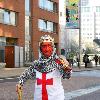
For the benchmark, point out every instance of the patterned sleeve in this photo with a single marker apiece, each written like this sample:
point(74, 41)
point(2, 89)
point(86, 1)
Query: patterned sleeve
point(64, 69)
point(27, 74)
point(66, 73)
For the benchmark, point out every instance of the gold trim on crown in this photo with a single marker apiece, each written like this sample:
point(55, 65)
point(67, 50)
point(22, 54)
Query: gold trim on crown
point(46, 38)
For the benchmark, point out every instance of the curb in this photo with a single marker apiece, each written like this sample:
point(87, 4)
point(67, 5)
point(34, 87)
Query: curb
point(86, 69)
point(10, 72)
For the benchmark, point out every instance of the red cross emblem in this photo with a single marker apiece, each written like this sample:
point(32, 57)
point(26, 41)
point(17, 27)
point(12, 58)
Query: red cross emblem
point(44, 82)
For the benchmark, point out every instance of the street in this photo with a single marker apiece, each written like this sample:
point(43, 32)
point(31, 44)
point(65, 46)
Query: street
point(36, 39)
point(83, 85)
point(91, 96)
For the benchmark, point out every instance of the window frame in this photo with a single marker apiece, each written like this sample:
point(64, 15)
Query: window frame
point(7, 19)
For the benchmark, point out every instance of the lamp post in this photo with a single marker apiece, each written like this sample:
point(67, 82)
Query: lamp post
point(79, 33)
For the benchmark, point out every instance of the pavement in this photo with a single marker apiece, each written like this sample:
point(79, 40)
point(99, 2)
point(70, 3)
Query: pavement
point(11, 72)
point(73, 85)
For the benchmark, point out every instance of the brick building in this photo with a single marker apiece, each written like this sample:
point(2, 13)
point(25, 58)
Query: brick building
point(22, 23)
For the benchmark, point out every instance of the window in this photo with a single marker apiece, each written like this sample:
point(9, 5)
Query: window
point(2, 55)
point(41, 3)
point(7, 17)
point(1, 15)
point(84, 2)
point(55, 27)
point(98, 9)
point(11, 41)
point(50, 26)
point(85, 9)
point(40, 24)
point(2, 41)
point(2, 44)
point(12, 18)
point(48, 5)
point(27, 7)
point(55, 7)
point(47, 26)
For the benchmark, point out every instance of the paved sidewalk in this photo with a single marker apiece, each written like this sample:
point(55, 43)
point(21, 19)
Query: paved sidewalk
point(82, 68)
point(9, 72)
point(74, 83)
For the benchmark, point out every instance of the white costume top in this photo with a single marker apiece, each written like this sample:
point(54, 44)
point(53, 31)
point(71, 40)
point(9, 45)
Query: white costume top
point(54, 86)
point(47, 72)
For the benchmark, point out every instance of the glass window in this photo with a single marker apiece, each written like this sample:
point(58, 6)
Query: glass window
point(2, 41)
point(6, 17)
point(1, 15)
point(40, 24)
point(47, 26)
point(55, 8)
point(12, 18)
point(97, 9)
point(11, 41)
point(84, 2)
point(54, 27)
point(48, 5)
point(44, 25)
point(87, 9)
point(2, 55)
point(45, 4)
point(41, 3)
point(27, 5)
point(50, 26)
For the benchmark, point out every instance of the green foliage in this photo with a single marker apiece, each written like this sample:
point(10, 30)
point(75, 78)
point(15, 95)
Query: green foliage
point(90, 51)
point(71, 55)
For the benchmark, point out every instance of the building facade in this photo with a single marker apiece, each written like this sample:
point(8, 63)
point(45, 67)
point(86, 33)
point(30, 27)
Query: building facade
point(88, 17)
point(45, 19)
point(12, 30)
point(72, 27)
point(62, 23)
point(23, 22)
point(90, 21)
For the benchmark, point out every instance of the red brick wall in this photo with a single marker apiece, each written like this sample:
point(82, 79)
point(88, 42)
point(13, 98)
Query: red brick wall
point(14, 31)
point(19, 30)
point(36, 34)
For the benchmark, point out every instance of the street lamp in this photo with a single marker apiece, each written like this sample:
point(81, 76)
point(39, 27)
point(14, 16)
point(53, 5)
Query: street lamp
point(79, 33)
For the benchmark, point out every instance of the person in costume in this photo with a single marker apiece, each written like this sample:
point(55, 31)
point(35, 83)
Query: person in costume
point(47, 71)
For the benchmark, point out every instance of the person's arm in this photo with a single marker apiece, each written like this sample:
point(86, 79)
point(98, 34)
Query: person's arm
point(64, 67)
point(65, 70)
point(27, 74)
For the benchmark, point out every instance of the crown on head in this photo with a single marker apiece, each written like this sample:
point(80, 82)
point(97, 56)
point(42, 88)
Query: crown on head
point(46, 38)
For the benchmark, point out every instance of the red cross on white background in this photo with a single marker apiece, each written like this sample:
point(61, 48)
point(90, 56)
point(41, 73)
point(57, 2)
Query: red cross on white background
point(44, 82)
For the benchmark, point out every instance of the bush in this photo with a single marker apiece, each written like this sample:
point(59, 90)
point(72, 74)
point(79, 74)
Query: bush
point(2, 65)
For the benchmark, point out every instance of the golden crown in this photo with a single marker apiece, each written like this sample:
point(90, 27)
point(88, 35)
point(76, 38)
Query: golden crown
point(47, 38)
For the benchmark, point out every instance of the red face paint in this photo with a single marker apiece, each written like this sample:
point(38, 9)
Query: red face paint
point(46, 49)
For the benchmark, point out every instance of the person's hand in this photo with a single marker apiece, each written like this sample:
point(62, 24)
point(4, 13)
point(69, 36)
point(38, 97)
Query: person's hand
point(19, 91)
point(66, 65)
